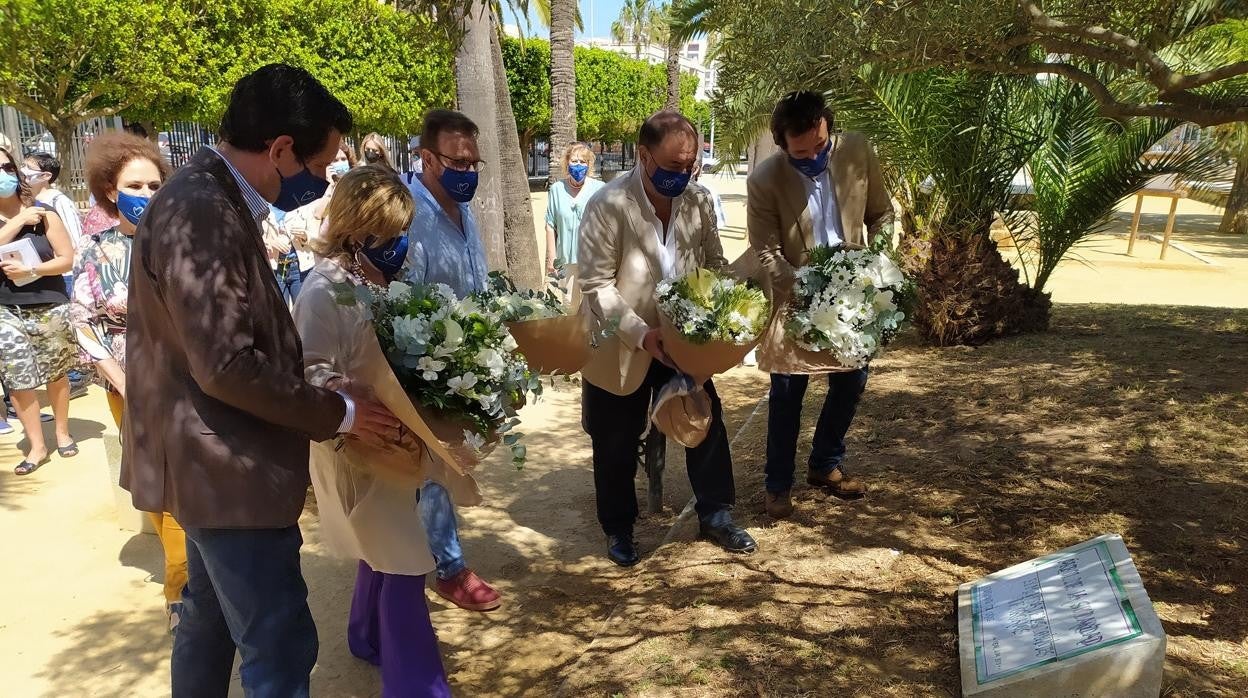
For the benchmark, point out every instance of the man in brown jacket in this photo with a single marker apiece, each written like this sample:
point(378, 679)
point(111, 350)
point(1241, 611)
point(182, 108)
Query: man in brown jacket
point(218, 416)
point(822, 188)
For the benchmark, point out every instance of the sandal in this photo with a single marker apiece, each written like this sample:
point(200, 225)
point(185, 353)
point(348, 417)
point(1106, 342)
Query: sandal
point(68, 451)
point(26, 467)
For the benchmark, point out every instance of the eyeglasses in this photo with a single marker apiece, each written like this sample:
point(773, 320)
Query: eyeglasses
point(461, 165)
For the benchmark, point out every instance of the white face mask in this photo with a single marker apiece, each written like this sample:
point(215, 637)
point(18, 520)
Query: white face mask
point(35, 176)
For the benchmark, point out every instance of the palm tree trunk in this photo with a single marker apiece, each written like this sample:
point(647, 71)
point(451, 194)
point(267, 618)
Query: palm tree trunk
point(1235, 217)
point(477, 97)
point(673, 76)
point(519, 237)
point(562, 80)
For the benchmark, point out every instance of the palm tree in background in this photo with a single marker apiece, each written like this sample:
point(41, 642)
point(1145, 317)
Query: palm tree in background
point(637, 24)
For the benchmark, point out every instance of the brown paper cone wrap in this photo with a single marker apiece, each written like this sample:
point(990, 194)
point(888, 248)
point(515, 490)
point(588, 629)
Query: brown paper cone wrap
point(445, 442)
point(685, 419)
point(700, 360)
point(553, 345)
point(779, 353)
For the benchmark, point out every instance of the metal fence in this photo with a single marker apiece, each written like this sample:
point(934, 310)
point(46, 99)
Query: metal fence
point(26, 136)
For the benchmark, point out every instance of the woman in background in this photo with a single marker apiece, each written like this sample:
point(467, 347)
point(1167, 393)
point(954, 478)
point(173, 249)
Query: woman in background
point(123, 172)
point(564, 207)
point(373, 151)
point(36, 343)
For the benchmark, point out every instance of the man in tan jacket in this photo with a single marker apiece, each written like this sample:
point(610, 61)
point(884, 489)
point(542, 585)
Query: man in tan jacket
point(821, 188)
point(647, 225)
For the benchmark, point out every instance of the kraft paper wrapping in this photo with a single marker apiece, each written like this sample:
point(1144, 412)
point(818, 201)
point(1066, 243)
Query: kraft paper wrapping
point(450, 462)
point(700, 360)
point(778, 353)
point(557, 345)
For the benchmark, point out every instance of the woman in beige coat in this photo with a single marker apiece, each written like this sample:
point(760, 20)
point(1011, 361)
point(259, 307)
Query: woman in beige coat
point(368, 506)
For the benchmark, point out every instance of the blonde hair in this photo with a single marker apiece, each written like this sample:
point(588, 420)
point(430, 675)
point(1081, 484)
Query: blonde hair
point(572, 151)
point(369, 201)
point(378, 142)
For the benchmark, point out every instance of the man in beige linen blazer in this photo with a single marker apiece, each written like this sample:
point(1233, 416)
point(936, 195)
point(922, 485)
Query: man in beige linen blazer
point(821, 188)
point(645, 226)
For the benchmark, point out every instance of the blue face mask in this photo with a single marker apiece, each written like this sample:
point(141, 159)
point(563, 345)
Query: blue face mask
point(460, 186)
point(668, 183)
point(131, 207)
point(8, 184)
point(299, 190)
point(339, 167)
point(578, 172)
point(813, 167)
point(389, 257)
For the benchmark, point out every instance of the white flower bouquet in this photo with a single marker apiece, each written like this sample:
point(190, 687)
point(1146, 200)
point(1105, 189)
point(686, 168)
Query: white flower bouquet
point(709, 322)
point(551, 340)
point(847, 303)
point(456, 361)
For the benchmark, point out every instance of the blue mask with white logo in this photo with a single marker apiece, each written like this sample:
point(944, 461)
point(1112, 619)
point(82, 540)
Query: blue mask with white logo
point(578, 172)
point(131, 207)
point(813, 167)
point(339, 168)
point(668, 183)
point(388, 257)
point(299, 190)
point(460, 186)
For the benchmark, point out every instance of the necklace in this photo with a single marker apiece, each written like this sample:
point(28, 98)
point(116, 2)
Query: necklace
point(361, 278)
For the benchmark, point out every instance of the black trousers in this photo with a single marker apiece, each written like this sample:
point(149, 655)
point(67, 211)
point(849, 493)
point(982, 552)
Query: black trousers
point(615, 424)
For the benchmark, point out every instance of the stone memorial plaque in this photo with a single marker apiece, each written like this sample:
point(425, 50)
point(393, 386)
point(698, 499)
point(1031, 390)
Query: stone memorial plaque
point(1074, 624)
point(1066, 606)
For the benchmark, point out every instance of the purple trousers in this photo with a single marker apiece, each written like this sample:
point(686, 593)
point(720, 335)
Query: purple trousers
point(390, 626)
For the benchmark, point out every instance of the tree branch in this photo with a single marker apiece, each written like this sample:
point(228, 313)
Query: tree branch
point(1202, 114)
point(1187, 82)
point(1159, 73)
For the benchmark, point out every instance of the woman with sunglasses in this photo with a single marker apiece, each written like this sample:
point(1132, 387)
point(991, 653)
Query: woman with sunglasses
point(36, 343)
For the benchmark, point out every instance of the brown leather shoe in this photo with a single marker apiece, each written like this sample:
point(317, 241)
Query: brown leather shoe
point(838, 484)
point(778, 506)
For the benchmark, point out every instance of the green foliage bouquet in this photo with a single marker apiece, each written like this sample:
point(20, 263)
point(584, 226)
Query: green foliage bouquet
point(455, 358)
point(709, 322)
point(552, 340)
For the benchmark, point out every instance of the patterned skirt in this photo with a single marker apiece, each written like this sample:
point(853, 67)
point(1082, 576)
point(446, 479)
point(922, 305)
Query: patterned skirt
point(36, 345)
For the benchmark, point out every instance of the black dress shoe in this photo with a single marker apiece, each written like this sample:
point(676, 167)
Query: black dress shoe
point(729, 536)
point(622, 550)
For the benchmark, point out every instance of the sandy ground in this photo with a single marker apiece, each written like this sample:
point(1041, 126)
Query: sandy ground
point(82, 610)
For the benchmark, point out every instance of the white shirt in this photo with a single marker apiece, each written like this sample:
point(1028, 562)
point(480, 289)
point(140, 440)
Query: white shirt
point(66, 211)
point(825, 211)
point(667, 240)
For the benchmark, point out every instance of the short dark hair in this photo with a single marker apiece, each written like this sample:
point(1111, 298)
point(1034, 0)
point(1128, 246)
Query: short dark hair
point(798, 112)
point(441, 121)
point(46, 162)
point(282, 100)
point(661, 124)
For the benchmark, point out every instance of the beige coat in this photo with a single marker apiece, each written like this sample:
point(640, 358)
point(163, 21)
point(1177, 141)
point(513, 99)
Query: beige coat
point(782, 233)
point(619, 263)
point(364, 512)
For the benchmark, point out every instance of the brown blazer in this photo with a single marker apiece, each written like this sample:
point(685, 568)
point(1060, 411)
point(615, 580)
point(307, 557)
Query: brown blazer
point(218, 416)
point(782, 233)
point(619, 267)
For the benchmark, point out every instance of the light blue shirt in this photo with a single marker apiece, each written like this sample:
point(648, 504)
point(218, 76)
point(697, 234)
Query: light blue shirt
point(825, 211)
point(563, 213)
point(438, 252)
point(255, 203)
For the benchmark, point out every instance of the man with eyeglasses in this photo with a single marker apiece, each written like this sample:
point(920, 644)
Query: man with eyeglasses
point(445, 248)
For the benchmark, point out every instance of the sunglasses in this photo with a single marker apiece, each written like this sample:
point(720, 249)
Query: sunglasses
point(8, 167)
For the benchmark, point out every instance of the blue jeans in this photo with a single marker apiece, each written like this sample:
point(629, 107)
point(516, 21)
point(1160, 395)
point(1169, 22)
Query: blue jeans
point(289, 278)
point(784, 421)
point(437, 513)
point(245, 591)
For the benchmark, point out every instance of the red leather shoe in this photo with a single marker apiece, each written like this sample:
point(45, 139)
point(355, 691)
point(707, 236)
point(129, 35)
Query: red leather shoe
point(468, 591)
